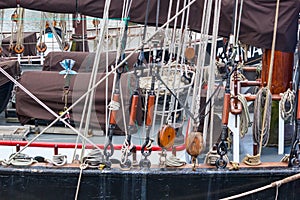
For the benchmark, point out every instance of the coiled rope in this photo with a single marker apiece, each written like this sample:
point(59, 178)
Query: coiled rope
point(94, 159)
point(58, 160)
point(260, 104)
point(20, 159)
point(287, 98)
point(245, 116)
point(173, 161)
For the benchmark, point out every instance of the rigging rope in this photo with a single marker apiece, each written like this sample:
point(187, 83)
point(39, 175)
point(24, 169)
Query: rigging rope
point(1, 27)
point(273, 184)
point(92, 83)
point(261, 136)
point(269, 76)
point(19, 48)
point(200, 61)
point(211, 80)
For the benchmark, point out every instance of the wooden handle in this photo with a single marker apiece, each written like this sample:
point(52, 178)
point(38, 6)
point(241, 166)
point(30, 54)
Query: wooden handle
point(226, 109)
point(150, 109)
point(113, 114)
point(134, 102)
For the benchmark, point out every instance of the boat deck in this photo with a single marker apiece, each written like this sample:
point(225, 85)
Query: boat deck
point(58, 135)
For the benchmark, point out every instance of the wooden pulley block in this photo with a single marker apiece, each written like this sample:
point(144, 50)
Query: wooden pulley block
point(166, 137)
point(53, 24)
point(235, 106)
point(15, 17)
point(194, 143)
point(96, 22)
point(41, 47)
point(189, 53)
point(19, 48)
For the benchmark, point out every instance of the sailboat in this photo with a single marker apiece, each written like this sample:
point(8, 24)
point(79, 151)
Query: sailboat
point(143, 123)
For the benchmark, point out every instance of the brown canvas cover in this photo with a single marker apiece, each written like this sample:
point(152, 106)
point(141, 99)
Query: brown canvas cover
point(84, 61)
point(6, 86)
point(29, 42)
point(256, 26)
point(12, 67)
point(53, 59)
point(48, 87)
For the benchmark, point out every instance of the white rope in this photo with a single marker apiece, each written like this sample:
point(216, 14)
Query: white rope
point(276, 184)
point(239, 23)
point(162, 61)
point(171, 51)
point(113, 104)
point(265, 113)
point(20, 24)
point(126, 13)
point(211, 80)
point(200, 62)
point(92, 83)
point(82, 167)
point(287, 97)
point(95, 70)
point(182, 31)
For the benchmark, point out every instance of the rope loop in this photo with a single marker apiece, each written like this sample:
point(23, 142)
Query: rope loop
point(114, 105)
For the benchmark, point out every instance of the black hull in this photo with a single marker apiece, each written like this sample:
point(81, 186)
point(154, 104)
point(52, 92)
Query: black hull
point(61, 183)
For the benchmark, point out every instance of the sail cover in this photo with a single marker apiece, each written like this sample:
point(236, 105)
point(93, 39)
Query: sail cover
point(256, 25)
